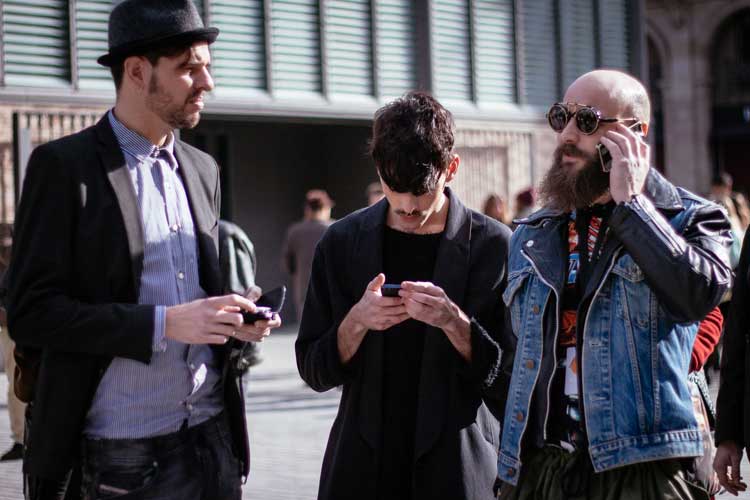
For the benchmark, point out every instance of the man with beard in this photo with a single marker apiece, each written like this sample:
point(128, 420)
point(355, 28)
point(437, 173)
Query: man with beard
point(115, 281)
point(424, 370)
point(606, 286)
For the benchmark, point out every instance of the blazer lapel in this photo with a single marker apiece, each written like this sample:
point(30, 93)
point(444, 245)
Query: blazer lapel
point(451, 273)
point(367, 262)
point(113, 161)
point(200, 206)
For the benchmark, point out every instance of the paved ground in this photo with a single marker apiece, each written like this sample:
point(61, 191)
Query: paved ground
point(289, 426)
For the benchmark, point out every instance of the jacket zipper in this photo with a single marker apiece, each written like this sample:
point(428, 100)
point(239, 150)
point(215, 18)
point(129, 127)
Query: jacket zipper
point(554, 350)
point(585, 325)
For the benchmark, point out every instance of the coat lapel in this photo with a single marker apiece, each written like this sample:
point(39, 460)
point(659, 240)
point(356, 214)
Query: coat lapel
point(451, 274)
point(367, 263)
point(113, 161)
point(201, 207)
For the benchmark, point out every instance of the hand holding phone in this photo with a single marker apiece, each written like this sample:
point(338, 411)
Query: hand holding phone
point(266, 306)
point(605, 157)
point(390, 290)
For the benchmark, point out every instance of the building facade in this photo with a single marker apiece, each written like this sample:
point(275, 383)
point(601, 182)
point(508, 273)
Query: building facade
point(297, 82)
point(699, 73)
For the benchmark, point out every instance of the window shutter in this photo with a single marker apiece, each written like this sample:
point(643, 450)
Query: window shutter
point(494, 50)
point(36, 42)
point(238, 56)
point(348, 45)
point(614, 34)
point(92, 18)
point(396, 46)
point(451, 58)
point(295, 49)
point(577, 29)
point(539, 60)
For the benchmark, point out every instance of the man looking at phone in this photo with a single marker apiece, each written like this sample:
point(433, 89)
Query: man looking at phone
point(607, 284)
point(115, 281)
point(424, 371)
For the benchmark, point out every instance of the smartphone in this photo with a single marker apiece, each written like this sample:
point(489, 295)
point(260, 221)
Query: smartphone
point(605, 157)
point(267, 305)
point(390, 290)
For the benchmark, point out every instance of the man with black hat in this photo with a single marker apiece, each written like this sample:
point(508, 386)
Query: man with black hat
point(116, 282)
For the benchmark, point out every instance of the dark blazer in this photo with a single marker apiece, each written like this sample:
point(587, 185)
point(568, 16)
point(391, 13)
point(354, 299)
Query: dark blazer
point(73, 285)
point(733, 404)
point(457, 429)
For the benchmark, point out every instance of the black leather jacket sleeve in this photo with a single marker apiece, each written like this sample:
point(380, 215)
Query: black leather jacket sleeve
point(731, 403)
point(688, 271)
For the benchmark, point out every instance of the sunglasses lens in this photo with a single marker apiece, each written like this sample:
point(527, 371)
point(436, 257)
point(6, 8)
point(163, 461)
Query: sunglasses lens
point(558, 117)
point(587, 120)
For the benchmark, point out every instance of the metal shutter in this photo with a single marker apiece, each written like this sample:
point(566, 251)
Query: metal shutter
point(396, 46)
point(451, 52)
point(348, 45)
point(92, 17)
point(614, 33)
point(494, 50)
point(36, 42)
point(577, 29)
point(295, 47)
point(239, 54)
point(539, 52)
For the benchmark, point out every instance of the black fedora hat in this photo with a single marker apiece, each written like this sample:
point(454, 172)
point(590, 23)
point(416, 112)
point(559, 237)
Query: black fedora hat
point(138, 25)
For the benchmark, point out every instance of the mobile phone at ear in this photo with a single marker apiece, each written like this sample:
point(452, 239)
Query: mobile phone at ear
point(605, 157)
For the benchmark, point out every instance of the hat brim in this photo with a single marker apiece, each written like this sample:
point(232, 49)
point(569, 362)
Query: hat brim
point(119, 53)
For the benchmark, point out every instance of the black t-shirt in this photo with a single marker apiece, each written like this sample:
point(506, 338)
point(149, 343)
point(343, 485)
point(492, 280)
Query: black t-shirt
point(406, 257)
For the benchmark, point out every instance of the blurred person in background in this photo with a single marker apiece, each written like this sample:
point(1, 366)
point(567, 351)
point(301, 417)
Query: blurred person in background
point(737, 208)
point(525, 203)
point(300, 242)
point(495, 207)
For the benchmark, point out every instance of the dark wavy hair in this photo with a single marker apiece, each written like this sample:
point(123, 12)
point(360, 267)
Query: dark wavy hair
point(412, 143)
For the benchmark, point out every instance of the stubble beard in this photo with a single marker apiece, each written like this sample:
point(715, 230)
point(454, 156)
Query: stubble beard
point(162, 104)
point(567, 190)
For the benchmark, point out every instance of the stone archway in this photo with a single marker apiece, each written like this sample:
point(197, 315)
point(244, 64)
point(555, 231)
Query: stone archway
point(730, 97)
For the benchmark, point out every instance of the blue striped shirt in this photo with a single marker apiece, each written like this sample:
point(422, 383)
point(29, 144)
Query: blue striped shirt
point(182, 382)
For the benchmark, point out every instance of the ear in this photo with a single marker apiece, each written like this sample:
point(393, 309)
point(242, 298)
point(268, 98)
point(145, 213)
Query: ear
point(137, 70)
point(644, 129)
point(452, 168)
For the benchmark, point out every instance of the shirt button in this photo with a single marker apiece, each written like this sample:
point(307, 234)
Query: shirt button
point(530, 243)
point(174, 228)
point(519, 416)
point(535, 309)
point(189, 407)
point(192, 366)
point(529, 364)
point(181, 275)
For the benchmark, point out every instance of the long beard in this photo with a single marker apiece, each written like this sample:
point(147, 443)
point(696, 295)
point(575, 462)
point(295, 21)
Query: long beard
point(162, 104)
point(566, 190)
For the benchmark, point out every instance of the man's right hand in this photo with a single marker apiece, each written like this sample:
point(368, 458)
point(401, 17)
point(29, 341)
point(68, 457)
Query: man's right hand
point(206, 321)
point(727, 466)
point(372, 312)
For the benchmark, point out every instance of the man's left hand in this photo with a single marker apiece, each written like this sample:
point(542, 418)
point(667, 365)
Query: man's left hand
point(429, 304)
point(630, 162)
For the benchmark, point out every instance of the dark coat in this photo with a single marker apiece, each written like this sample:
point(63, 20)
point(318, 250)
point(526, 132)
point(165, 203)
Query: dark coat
point(457, 429)
point(733, 405)
point(73, 286)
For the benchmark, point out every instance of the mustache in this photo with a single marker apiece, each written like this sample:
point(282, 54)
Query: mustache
point(412, 213)
point(570, 150)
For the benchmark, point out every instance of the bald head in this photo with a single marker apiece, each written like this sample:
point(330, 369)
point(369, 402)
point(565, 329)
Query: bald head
point(614, 93)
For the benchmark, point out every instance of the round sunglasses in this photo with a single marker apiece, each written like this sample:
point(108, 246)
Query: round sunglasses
point(587, 118)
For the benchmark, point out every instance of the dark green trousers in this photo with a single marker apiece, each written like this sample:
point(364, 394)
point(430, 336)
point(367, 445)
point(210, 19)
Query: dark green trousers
point(555, 474)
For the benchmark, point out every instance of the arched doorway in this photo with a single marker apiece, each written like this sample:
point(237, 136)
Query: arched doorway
point(730, 133)
point(655, 75)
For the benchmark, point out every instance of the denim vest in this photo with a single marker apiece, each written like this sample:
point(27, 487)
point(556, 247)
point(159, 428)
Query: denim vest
point(633, 358)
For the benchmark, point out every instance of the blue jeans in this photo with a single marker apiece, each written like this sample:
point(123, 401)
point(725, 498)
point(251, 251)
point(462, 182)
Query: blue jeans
point(195, 463)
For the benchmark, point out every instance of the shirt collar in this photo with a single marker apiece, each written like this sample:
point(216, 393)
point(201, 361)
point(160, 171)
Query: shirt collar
point(136, 145)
